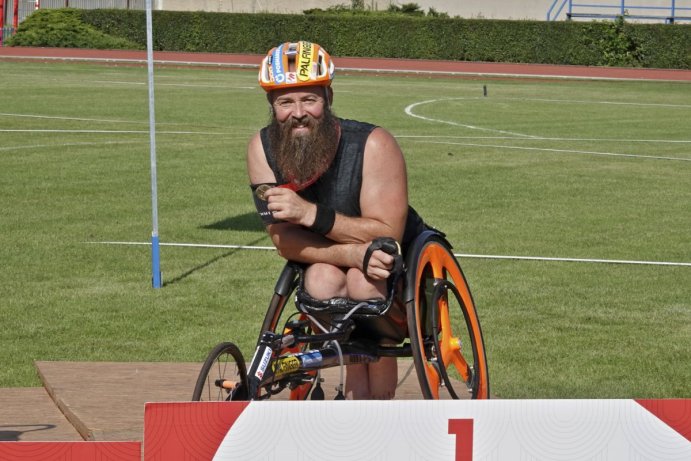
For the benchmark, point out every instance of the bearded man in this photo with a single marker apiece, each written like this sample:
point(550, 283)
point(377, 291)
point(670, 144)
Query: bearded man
point(325, 188)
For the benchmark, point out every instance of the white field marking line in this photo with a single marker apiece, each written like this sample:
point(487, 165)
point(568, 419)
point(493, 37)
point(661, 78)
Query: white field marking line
point(72, 118)
point(251, 130)
point(361, 69)
point(191, 245)
point(42, 146)
point(409, 111)
point(540, 138)
point(81, 119)
point(102, 143)
point(190, 85)
point(115, 132)
point(135, 60)
point(458, 255)
point(560, 151)
point(612, 103)
point(503, 74)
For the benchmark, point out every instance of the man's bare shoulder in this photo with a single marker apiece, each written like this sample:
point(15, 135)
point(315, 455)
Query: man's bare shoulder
point(257, 165)
point(382, 143)
point(255, 142)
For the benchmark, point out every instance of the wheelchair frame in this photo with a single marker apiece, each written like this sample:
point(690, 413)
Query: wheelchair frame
point(291, 358)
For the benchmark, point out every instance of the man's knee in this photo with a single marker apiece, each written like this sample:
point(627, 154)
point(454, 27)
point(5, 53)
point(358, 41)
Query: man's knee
point(325, 281)
point(361, 287)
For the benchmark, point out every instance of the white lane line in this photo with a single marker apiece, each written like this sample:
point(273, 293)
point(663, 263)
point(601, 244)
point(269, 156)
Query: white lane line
point(560, 151)
point(610, 103)
point(458, 255)
point(70, 144)
point(79, 119)
point(184, 85)
point(541, 138)
point(191, 245)
point(115, 132)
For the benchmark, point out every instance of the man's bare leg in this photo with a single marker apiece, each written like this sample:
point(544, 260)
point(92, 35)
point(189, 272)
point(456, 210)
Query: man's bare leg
point(373, 381)
point(383, 377)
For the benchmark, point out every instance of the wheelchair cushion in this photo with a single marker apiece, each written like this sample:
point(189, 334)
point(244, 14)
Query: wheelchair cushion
point(374, 319)
point(338, 305)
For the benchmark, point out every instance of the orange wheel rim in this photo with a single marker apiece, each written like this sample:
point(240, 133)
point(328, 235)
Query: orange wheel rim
point(443, 265)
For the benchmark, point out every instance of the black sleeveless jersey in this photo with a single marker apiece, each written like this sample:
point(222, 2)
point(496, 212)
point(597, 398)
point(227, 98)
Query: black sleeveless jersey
point(339, 187)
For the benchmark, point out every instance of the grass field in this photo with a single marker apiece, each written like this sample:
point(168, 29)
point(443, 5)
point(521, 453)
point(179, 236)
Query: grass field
point(537, 168)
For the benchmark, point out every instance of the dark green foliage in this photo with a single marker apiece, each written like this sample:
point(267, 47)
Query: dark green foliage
point(616, 43)
point(65, 28)
point(360, 32)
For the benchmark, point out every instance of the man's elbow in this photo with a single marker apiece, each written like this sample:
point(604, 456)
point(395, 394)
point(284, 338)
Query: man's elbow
point(279, 244)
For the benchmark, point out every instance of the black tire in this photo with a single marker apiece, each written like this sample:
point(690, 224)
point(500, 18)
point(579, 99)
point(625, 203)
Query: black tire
point(223, 376)
point(445, 334)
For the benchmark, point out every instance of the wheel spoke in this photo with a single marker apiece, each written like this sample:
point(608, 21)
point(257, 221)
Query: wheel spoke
point(222, 374)
point(433, 379)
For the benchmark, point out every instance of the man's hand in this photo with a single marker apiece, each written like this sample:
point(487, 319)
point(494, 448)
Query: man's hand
point(287, 205)
point(389, 260)
point(380, 265)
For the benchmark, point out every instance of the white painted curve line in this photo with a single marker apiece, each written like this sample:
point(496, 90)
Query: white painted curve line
point(458, 255)
point(560, 151)
point(409, 111)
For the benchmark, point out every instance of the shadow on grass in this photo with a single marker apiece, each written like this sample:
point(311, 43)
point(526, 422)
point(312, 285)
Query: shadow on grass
point(242, 222)
point(209, 263)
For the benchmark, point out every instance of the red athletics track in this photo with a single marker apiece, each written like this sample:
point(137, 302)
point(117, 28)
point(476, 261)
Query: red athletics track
point(415, 66)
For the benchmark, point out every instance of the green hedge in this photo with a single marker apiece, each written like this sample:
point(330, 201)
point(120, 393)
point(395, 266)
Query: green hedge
point(65, 29)
point(608, 43)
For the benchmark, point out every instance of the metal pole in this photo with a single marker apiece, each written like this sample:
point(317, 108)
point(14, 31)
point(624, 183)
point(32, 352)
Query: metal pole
point(155, 249)
point(2, 19)
point(15, 19)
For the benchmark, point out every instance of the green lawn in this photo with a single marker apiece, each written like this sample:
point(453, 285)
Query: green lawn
point(537, 168)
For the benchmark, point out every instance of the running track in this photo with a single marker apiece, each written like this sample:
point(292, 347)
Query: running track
point(406, 66)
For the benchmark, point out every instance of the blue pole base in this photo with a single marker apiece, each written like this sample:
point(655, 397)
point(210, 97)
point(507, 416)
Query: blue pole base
point(155, 262)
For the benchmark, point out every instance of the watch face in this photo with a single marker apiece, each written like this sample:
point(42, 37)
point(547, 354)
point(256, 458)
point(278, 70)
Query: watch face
point(261, 190)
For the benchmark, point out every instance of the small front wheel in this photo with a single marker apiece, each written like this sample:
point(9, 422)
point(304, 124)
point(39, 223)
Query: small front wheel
point(223, 376)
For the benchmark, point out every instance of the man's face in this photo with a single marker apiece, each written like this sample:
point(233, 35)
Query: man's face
point(300, 107)
point(303, 132)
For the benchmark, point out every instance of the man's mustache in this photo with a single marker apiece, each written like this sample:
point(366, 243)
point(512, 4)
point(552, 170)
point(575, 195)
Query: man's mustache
point(306, 121)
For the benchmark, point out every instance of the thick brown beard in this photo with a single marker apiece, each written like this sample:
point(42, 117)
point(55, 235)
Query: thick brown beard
point(302, 158)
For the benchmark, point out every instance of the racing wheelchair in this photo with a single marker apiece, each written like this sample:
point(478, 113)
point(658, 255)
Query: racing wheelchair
point(429, 313)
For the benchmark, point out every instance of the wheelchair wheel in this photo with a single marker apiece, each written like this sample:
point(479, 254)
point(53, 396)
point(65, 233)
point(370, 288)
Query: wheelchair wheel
point(445, 334)
point(277, 315)
point(223, 376)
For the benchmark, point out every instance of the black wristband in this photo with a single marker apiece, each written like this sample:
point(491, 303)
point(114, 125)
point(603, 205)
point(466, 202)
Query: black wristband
point(324, 220)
